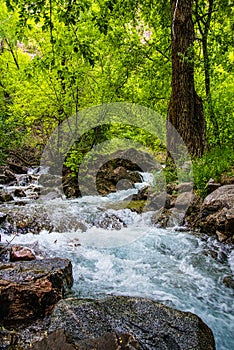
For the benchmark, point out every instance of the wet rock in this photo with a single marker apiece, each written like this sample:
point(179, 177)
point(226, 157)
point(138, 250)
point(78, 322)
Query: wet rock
point(70, 184)
point(4, 253)
point(50, 195)
point(221, 198)
point(58, 340)
point(229, 281)
point(164, 218)
point(216, 215)
point(221, 237)
point(26, 219)
point(109, 221)
point(157, 201)
point(5, 197)
point(109, 177)
point(129, 323)
point(142, 194)
point(17, 168)
point(24, 180)
point(19, 253)
point(3, 217)
point(3, 180)
point(51, 181)
point(31, 289)
point(19, 193)
point(9, 176)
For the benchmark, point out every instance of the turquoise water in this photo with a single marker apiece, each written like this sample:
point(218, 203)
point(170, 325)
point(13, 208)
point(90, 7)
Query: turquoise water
point(178, 269)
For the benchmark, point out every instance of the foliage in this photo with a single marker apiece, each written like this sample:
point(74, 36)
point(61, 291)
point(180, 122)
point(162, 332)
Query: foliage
point(212, 165)
point(58, 57)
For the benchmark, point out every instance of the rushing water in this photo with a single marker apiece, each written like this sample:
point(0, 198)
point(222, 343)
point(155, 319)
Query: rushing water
point(178, 269)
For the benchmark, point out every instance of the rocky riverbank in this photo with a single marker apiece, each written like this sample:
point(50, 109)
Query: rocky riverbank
point(176, 205)
point(32, 284)
point(33, 318)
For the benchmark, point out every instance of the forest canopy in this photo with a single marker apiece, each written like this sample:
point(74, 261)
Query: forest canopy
point(59, 57)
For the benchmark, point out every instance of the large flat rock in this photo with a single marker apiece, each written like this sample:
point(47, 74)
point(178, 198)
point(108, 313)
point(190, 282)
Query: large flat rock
point(117, 323)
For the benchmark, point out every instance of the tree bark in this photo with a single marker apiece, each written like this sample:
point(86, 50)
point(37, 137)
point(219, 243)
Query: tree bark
point(185, 112)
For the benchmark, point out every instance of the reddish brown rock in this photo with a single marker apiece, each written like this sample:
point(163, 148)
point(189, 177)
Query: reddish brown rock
point(19, 253)
point(31, 289)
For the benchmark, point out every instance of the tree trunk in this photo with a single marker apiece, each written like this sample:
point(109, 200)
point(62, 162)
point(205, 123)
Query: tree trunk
point(185, 112)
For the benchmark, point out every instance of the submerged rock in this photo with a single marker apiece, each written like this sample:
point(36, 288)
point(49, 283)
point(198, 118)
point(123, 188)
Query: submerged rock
point(129, 323)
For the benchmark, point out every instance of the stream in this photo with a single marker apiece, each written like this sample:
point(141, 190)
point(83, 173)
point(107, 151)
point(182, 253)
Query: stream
point(131, 257)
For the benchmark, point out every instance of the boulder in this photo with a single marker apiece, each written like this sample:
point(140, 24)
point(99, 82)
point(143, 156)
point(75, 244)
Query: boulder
point(30, 289)
point(183, 200)
point(128, 323)
point(141, 195)
point(217, 213)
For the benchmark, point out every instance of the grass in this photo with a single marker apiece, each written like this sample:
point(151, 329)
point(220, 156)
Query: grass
point(213, 164)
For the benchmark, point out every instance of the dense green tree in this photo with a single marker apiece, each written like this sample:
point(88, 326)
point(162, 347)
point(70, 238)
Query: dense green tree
point(58, 57)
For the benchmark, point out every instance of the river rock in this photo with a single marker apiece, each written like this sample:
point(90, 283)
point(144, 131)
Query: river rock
point(109, 221)
point(217, 213)
point(3, 217)
point(19, 253)
point(127, 323)
point(105, 175)
point(18, 192)
point(31, 289)
point(26, 219)
point(164, 218)
point(113, 176)
point(229, 281)
point(8, 176)
point(212, 185)
point(17, 168)
point(5, 197)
